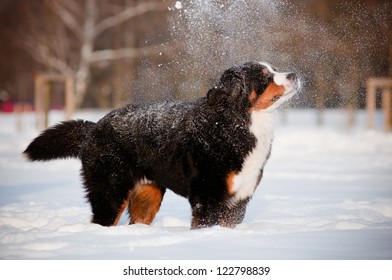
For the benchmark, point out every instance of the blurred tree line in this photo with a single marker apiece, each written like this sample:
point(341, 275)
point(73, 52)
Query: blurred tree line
point(353, 43)
point(123, 51)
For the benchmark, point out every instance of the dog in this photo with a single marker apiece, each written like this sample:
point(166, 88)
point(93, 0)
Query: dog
point(211, 151)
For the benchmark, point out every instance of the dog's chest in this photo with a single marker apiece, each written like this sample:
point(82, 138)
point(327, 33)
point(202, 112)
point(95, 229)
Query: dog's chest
point(245, 182)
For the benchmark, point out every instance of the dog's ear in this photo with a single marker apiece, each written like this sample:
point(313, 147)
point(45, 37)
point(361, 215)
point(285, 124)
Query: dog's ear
point(231, 84)
point(232, 81)
point(216, 96)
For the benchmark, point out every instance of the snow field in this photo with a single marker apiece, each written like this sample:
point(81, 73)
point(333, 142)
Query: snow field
point(326, 194)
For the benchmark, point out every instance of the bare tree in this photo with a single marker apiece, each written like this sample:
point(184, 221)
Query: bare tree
point(70, 48)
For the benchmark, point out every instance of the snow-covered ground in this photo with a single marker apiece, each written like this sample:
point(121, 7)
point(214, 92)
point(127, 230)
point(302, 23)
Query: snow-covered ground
point(326, 194)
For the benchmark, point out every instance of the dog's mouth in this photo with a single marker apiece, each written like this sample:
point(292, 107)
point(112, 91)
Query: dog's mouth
point(292, 86)
point(290, 89)
point(280, 90)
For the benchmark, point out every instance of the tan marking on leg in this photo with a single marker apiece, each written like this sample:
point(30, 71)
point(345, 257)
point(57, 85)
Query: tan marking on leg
point(145, 202)
point(230, 183)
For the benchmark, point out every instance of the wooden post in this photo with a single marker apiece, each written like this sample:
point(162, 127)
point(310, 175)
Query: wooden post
point(42, 96)
point(386, 105)
point(69, 97)
point(320, 100)
point(351, 115)
point(46, 102)
point(385, 84)
point(370, 102)
point(38, 100)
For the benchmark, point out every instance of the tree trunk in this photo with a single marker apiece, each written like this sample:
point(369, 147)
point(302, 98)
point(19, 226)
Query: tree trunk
point(83, 72)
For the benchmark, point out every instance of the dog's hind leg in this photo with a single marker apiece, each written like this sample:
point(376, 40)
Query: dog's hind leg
point(107, 208)
point(144, 203)
point(107, 182)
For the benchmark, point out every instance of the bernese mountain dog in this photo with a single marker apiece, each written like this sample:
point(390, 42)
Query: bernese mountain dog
point(211, 151)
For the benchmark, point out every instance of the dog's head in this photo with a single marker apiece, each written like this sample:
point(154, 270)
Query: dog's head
point(255, 85)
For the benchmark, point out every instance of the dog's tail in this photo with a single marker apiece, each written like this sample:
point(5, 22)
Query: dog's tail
point(63, 140)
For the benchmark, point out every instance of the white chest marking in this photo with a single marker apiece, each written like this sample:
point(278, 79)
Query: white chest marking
point(245, 182)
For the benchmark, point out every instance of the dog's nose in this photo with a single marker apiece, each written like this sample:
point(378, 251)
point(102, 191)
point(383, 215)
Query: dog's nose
point(292, 77)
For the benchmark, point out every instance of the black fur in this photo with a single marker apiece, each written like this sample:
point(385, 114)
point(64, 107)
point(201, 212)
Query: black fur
point(63, 140)
point(189, 148)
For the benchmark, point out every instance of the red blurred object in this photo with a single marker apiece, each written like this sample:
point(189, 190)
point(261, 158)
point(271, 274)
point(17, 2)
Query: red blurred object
point(7, 107)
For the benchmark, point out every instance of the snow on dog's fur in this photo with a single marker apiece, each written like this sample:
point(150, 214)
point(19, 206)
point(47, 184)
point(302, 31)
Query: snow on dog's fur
point(211, 151)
